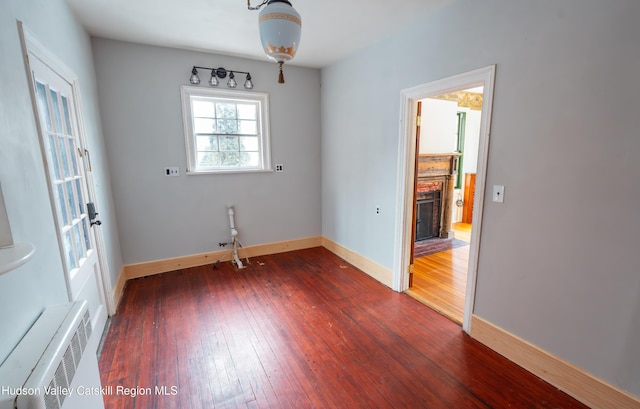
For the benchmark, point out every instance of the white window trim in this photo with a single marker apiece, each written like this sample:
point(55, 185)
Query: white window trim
point(262, 98)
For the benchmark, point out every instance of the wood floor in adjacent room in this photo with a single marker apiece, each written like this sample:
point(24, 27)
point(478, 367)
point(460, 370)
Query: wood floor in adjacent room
point(299, 330)
point(440, 279)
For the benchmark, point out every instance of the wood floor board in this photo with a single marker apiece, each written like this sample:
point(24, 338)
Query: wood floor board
point(300, 330)
point(440, 279)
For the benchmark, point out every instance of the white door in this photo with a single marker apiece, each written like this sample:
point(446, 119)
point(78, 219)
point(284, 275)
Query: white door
point(66, 160)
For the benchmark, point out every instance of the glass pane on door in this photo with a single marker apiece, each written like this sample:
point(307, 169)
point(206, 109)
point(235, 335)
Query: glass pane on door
point(66, 174)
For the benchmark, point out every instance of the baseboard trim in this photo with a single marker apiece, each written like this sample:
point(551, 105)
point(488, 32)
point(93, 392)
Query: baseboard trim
point(170, 264)
point(370, 267)
point(118, 289)
point(572, 380)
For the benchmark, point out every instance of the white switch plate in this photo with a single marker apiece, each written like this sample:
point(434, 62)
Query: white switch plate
point(498, 193)
point(172, 171)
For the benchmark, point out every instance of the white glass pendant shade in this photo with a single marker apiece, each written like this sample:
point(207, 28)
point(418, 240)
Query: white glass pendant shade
point(280, 25)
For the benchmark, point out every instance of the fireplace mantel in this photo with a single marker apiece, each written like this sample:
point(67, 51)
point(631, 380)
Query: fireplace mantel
point(437, 171)
point(437, 164)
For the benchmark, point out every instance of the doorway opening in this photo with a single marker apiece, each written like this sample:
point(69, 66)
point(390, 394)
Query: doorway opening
point(439, 168)
point(447, 150)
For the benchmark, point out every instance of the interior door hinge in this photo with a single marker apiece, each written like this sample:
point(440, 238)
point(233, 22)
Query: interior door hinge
point(418, 120)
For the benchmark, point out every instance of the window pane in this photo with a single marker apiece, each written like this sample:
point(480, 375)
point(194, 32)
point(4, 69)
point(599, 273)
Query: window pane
point(79, 191)
point(85, 231)
point(248, 127)
point(226, 110)
point(229, 143)
point(227, 126)
point(61, 204)
point(43, 106)
point(54, 157)
point(207, 143)
point(208, 159)
point(78, 241)
point(251, 159)
point(67, 118)
point(203, 109)
point(72, 200)
point(56, 110)
point(229, 159)
point(68, 251)
point(249, 143)
point(62, 146)
point(203, 125)
point(72, 151)
point(246, 111)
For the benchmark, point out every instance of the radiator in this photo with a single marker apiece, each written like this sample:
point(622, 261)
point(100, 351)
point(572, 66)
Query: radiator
point(51, 367)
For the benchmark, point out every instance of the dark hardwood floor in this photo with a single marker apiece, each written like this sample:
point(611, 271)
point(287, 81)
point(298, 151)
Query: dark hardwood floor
point(299, 330)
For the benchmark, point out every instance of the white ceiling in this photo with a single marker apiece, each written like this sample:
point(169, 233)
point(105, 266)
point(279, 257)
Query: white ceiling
point(331, 29)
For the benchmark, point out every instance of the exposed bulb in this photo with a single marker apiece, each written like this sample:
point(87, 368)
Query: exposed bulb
point(194, 79)
point(248, 84)
point(213, 81)
point(232, 81)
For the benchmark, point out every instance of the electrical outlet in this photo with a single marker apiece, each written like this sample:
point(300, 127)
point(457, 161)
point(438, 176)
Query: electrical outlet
point(498, 193)
point(279, 167)
point(377, 209)
point(172, 171)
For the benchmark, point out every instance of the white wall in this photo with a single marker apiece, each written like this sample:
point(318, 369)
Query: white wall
point(559, 275)
point(162, 217)
point(439, 126)
point(26, 291)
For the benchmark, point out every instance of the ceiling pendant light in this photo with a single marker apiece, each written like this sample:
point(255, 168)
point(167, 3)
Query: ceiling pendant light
point(280, 25)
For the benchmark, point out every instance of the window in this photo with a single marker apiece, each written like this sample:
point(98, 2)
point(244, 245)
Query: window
point(462, 124)
point(225, 131)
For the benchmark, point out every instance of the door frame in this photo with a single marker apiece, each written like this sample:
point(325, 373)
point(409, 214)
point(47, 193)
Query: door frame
point(30, 45)
point(406, 175)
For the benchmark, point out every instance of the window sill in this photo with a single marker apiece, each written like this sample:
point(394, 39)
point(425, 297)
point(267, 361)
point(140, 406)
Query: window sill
point(226, 172)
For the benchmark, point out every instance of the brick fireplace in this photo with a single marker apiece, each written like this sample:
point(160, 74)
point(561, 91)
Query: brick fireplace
point(434, 194)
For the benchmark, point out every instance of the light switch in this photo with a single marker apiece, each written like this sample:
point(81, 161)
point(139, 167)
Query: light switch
point(498, 193)
point(172, 171)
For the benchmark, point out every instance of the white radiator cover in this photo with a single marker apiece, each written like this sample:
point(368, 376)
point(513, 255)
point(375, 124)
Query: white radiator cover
point(52, 368)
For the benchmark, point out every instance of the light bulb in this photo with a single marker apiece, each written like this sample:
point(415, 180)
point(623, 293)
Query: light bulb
point(213, 81)
point(232, 81)
point(194, 79)
point(248, 84)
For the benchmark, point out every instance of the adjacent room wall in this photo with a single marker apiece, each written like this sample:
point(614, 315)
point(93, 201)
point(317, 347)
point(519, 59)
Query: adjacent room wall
point(558, 262)
point(164, 217)
point(25, 291)
point(439, 126)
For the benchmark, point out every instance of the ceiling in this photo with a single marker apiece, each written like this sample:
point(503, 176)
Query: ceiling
point(331, 29)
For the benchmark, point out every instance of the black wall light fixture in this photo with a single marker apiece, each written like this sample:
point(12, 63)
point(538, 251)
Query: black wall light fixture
point(220, 73)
